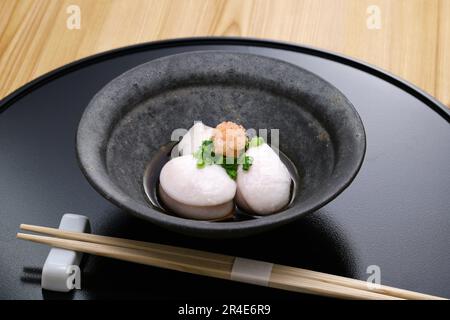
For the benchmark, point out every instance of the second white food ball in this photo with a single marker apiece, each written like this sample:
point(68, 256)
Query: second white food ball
point(265, 187)
point(193, 139)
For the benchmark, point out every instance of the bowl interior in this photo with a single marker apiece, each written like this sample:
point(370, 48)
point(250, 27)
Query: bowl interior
point(139, 134)
point(137, 113)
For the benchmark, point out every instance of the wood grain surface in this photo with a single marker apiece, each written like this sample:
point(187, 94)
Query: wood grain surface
point(410, 38)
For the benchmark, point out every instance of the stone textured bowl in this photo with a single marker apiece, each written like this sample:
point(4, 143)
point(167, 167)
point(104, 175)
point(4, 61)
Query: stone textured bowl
point(135, 114)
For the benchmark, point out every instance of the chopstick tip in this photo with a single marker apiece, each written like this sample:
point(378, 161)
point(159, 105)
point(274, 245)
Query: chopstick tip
point(23, 236)
point(24, 226)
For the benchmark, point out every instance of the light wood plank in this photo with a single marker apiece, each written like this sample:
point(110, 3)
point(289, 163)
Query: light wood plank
point(413, 42)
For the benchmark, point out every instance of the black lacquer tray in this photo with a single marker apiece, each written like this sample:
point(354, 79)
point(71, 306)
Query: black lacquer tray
point(395, 215)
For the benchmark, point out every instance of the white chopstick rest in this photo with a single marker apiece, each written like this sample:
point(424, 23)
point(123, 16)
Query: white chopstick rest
point(60, 265)
point(251, 271)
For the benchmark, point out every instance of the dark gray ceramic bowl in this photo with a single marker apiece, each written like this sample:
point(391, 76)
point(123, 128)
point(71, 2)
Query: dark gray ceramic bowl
point(134, 115)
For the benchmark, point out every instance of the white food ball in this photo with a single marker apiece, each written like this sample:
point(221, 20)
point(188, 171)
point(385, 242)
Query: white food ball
point(197, 212)
point(265, 187)
point(193, 139)
point(196, 193)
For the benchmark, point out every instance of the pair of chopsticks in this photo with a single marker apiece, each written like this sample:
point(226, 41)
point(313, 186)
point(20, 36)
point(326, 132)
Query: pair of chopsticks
point(213, 265)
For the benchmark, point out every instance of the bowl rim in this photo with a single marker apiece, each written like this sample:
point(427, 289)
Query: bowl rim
point(104, 185)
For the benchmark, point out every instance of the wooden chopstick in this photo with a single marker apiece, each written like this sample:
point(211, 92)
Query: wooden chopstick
point(126, 243)
point(201, 262)
point(195, 266)
point(220, 258)
point(227, 260)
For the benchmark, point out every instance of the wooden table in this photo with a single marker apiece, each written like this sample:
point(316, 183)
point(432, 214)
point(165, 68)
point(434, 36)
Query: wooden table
point(410, 38)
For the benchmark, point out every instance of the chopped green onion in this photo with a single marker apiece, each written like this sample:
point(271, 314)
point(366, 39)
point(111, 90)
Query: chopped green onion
point(205, 156)
point(256, 142)
point(248, 161)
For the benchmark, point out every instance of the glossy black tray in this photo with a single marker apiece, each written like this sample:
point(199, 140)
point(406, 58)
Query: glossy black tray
point(395, 215)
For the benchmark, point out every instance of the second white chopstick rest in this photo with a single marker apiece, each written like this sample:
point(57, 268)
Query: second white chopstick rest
point(61, 263)
point(251, 271)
